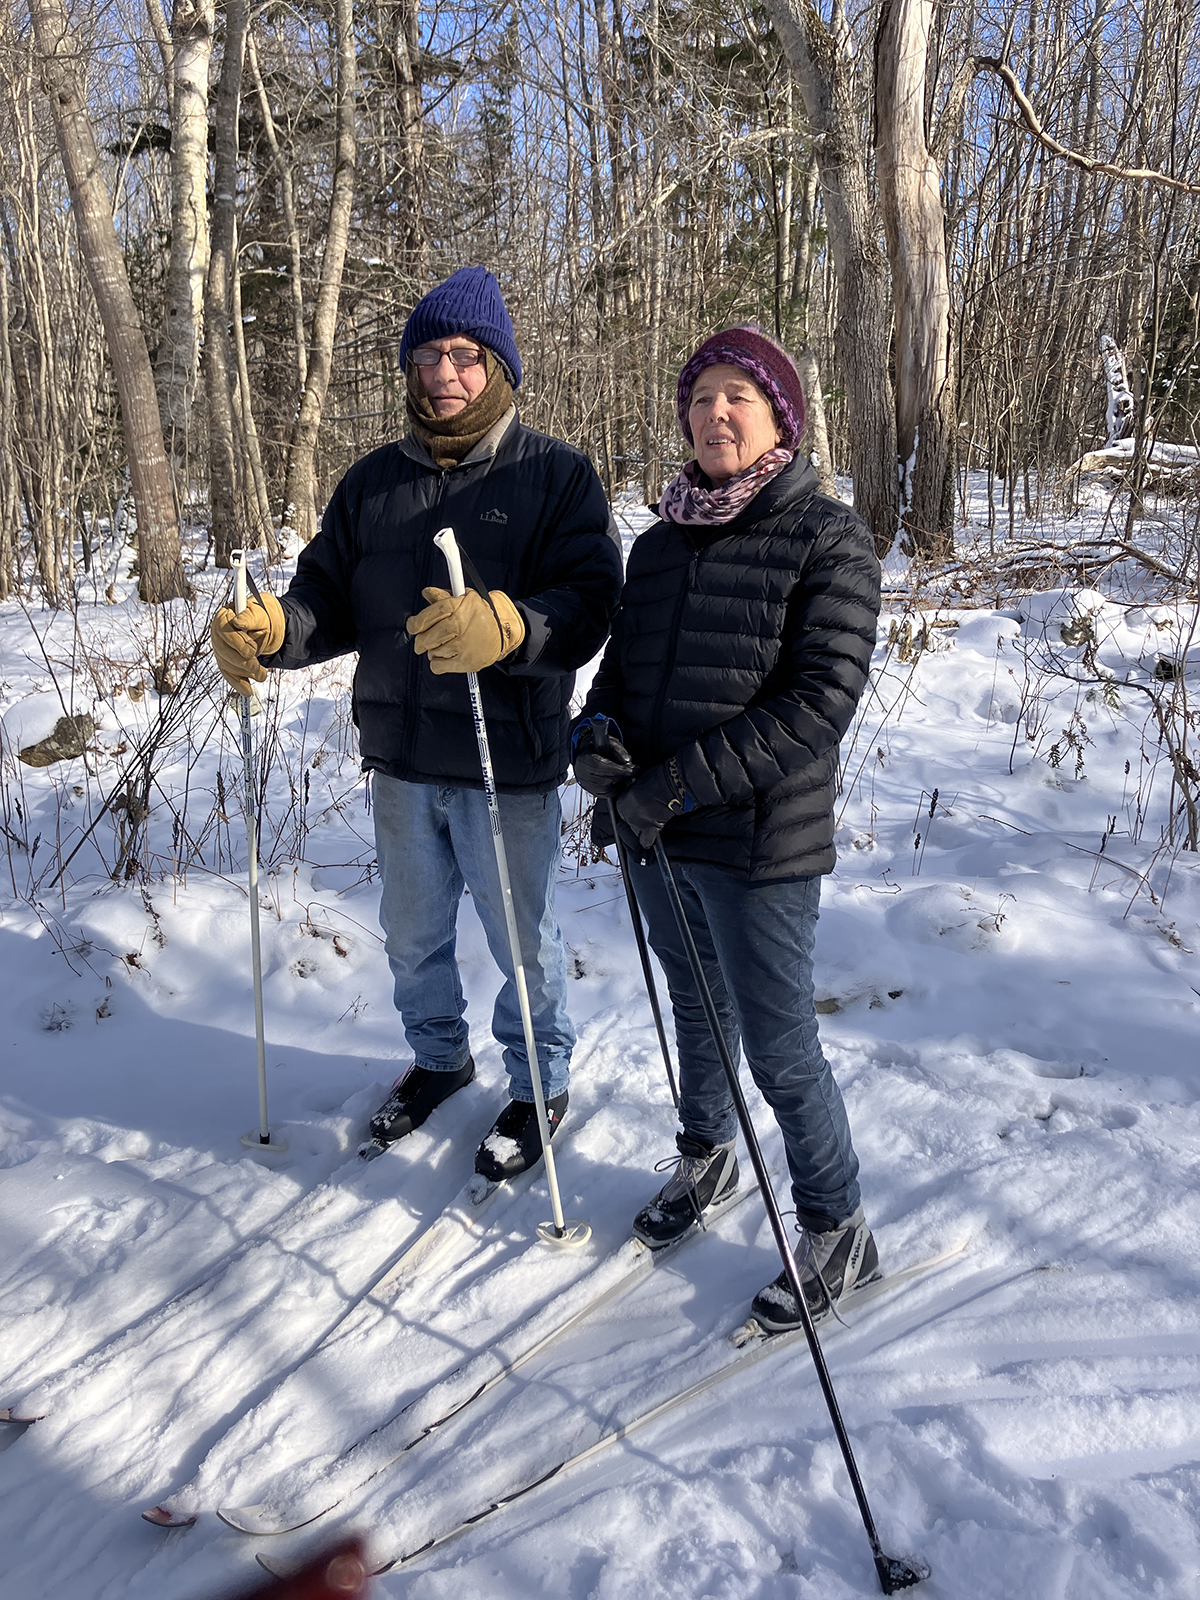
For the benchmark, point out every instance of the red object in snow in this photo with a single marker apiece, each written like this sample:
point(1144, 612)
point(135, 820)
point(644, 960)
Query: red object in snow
point(339, 1573)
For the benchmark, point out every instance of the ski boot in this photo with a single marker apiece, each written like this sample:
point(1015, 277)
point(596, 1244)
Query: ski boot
point(704, 1181)
point(832, 1265)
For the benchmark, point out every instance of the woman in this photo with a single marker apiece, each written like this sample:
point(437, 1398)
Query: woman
point(738, 655)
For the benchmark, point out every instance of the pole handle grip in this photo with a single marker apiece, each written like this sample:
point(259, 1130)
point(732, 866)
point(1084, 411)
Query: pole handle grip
point(237, 560)
point(448, 545)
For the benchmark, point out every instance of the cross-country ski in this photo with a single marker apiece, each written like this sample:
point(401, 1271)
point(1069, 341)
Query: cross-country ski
point(313, 1229)
point(617, 1275)
point(753, 1346)
point(372, 1321)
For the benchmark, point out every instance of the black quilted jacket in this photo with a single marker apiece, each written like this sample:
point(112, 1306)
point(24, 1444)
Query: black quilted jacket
point(742, 650)
point(532, 516)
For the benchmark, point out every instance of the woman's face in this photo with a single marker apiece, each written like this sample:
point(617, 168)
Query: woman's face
point(731, 420)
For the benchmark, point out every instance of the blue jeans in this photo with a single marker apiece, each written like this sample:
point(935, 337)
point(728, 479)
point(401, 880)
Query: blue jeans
point(431, 841)
point(755, 943)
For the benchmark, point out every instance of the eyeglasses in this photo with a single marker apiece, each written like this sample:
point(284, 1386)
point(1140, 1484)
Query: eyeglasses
point(427, 356)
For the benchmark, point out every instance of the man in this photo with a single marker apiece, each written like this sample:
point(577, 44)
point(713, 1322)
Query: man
point(530, 514)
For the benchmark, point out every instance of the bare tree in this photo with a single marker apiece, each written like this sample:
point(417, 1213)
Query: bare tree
point(160, 558)
point(299, 495)
point(9, 490)
point(281, 164)
point(819, 55)
point(910, 198)
point(219, 365)
point(177, 364)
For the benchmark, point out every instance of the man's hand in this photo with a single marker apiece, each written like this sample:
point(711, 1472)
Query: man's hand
point(462, 633)
point(603, 766)
point(239, 638)
point(652, 801)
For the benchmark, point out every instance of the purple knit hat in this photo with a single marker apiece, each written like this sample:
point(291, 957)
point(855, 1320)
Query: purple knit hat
point(469, 302)
point(760, 358)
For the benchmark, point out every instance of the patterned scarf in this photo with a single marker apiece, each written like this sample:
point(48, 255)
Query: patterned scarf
point(449, 439)
point(685, 501)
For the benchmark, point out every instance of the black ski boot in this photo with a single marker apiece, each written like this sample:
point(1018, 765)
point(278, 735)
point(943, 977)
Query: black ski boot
point(513, 1143)
point(414, 1096)
point(831, 1266)
point(705, 1180)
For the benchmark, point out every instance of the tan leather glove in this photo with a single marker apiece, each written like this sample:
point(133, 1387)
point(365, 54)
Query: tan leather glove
point(461, 634)
point(239, 638)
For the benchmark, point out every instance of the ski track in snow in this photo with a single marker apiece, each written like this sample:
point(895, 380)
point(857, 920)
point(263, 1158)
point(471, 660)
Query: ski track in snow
point(1014, 1017)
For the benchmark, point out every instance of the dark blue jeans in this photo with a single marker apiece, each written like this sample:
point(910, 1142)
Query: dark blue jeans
point(755, 943)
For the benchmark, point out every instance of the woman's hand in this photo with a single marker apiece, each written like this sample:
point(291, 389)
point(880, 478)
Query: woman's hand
point(652, 801)
point(602, 765)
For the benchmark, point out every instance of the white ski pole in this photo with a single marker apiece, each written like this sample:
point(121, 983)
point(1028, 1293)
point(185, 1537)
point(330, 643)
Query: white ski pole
point(572, 1232)
point(251, 705)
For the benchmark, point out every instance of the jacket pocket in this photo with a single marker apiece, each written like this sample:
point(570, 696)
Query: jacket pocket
point(530, 721)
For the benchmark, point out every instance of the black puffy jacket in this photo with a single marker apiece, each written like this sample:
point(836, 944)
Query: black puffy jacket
point(530, 513)
point(742, 650)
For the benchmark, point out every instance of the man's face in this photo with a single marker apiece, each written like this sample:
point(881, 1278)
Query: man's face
point(450, 388)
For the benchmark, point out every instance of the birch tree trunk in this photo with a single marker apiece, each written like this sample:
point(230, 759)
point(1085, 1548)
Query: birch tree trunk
point(819, 57)
point(651, 463)
point(299, 494)
point(1120, 407)
point(911, 202)
point(816, 431)
point(159, 555)
point(10, 500)
point(177, 365)
point(219, 366)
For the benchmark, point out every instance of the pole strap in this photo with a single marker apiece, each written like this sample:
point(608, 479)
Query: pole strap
point(474, 581)
point(254, 589)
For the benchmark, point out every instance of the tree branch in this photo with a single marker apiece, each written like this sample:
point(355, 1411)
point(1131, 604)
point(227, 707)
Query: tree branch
point(1087, 163)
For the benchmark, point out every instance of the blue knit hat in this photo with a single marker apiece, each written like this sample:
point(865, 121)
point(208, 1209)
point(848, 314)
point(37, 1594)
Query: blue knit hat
point(468, 303)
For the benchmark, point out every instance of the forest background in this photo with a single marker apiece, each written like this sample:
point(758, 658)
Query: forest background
point(939, 211)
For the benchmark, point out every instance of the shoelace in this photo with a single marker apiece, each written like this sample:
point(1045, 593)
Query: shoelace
point(682, 1182)
point(806, 1256)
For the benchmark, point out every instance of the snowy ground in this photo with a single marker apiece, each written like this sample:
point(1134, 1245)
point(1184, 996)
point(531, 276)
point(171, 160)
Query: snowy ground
point(1013, 1014)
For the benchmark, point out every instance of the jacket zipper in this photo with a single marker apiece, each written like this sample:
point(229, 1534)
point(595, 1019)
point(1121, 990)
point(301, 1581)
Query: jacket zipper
point(411, 709)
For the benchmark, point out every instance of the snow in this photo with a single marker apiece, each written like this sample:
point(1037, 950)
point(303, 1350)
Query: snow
point(1010, 997)
point(502, 1147)
point(1184, 455)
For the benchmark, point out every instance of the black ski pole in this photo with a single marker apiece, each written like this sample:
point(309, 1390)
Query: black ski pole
point(894, 1574)
point(601, 743)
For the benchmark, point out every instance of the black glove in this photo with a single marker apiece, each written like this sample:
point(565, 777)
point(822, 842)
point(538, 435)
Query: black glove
point(603, 766)
point(652, 801)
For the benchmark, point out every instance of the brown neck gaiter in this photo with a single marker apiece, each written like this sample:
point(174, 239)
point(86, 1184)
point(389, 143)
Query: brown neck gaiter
point(450, 439)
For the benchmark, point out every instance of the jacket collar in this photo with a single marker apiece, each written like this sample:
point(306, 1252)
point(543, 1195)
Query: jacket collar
point(788, 491)
point(487, 447)
point(797, 482)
